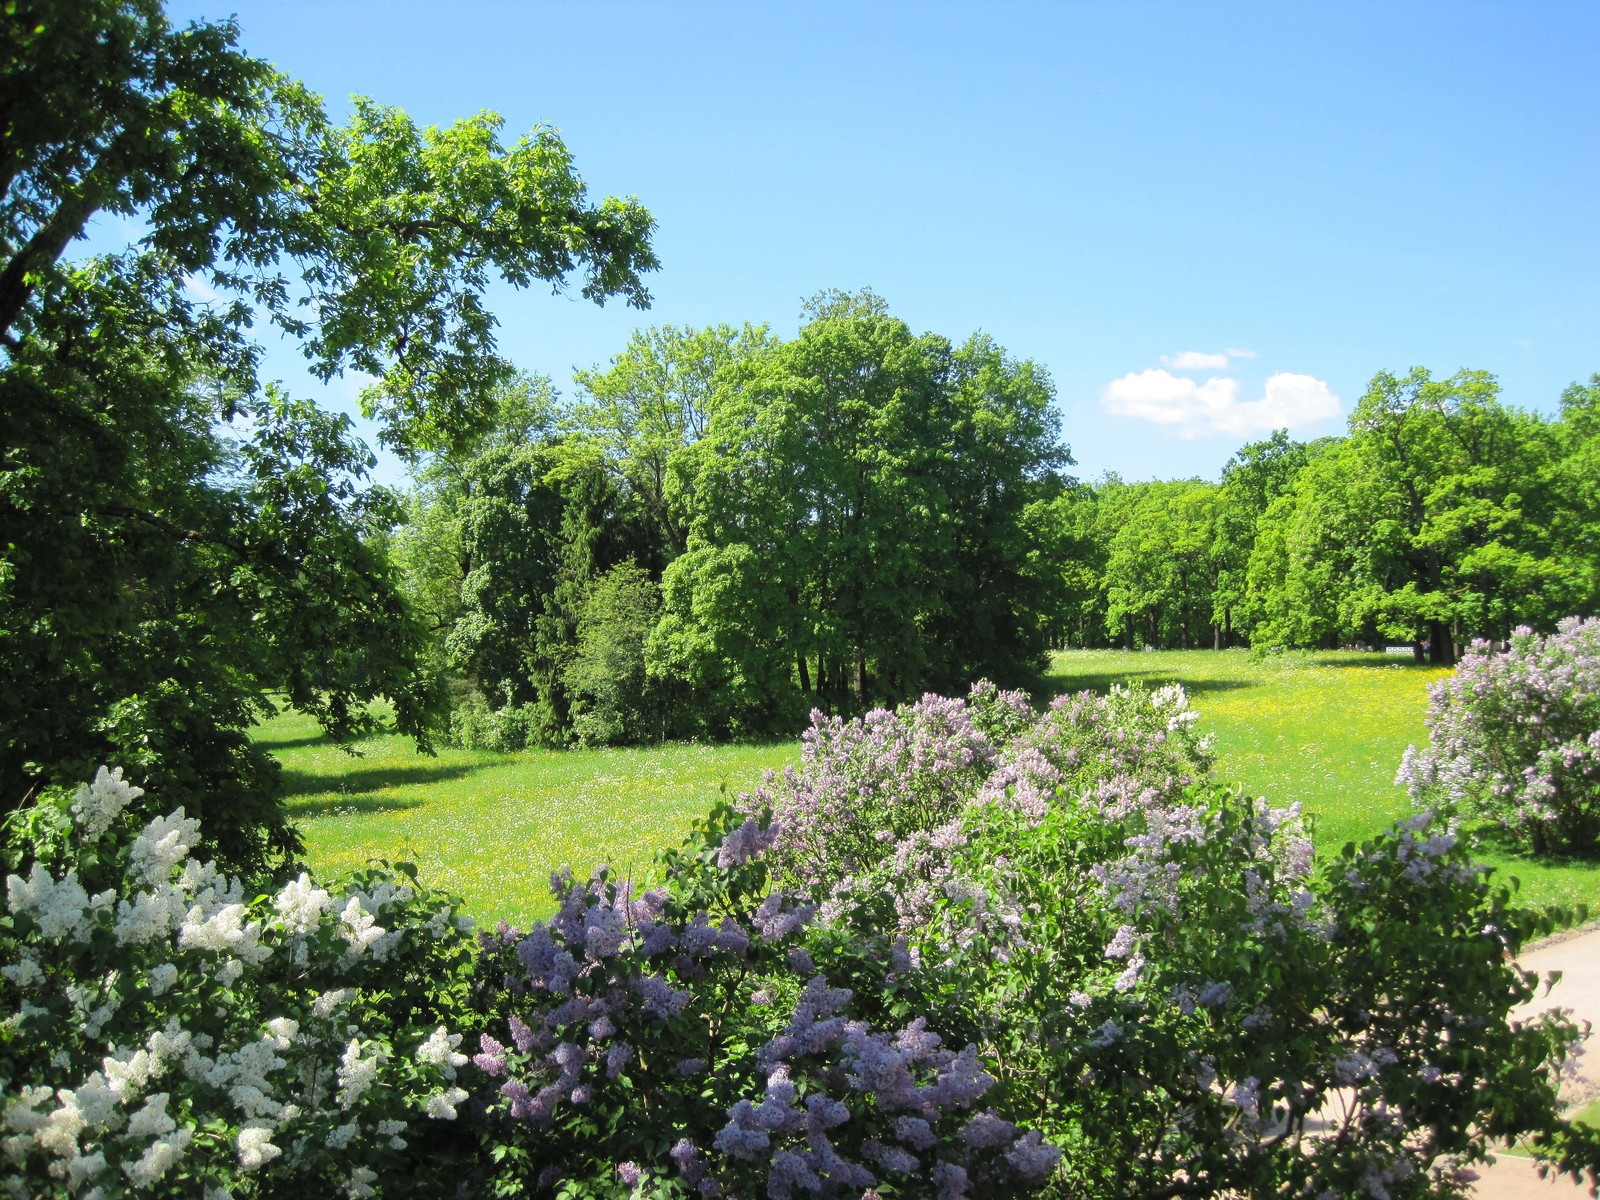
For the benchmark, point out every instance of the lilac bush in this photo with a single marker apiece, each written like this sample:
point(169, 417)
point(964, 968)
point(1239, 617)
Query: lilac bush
point(1159, 976)
point(168, 1031)
point(1514, 737)
point(683, 1041)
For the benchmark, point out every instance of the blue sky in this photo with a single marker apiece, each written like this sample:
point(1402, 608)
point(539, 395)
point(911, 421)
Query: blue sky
point(1131, 194)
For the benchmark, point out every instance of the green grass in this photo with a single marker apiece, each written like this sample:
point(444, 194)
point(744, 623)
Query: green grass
point(491, 827)
point(1325, 729)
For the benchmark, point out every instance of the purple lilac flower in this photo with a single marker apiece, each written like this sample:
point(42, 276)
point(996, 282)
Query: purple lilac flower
point(628, 1173)
point(492, 1060)
point(1031, 1157)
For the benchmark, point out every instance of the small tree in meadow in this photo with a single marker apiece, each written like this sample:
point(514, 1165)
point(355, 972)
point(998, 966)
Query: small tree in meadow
point(1515, 737)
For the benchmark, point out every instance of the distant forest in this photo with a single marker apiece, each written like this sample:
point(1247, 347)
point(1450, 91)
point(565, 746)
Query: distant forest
point(722, 530)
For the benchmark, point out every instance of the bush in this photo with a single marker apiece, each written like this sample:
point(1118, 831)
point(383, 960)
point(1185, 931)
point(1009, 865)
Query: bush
point(1151, 967)
point(172, 1033)
point(684, 1041)
point(476, 726)
point(1514, 737)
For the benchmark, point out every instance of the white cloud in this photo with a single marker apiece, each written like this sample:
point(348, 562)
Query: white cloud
point(1197, 409)
point(1234, 352)
point(1195, 360)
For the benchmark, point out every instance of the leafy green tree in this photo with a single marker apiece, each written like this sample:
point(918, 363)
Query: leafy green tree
point(857, 537)
point(614, 699)
point(1257, 474)
point(1159, 573)
point(1067, 560)
point(651, 402)
point(1433, 523)
point(154, 580)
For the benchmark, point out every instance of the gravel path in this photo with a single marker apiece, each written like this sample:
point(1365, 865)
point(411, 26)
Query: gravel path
point(1577, 956)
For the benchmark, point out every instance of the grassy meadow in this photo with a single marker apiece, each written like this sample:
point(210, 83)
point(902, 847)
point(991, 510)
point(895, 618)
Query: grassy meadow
point(1325, 729)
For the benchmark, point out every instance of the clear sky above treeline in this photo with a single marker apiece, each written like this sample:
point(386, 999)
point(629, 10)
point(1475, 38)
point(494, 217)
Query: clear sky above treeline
point(1205, 219)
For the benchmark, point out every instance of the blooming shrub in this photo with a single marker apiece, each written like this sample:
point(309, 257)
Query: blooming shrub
point(1162, 982)
point(1515, 737)
point(168, 1031)
point(683, 1041)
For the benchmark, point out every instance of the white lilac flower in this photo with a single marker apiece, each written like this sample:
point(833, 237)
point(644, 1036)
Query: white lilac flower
point(359, 929)
point(440, 1050)
point(217, 931)
point(149, 916)
point(159, 1158)
point(85, 1168)
point(356, 1074)
point(152, 1119)
point(284, 1030)
point(327, 1002)
point(57, 906)
point(162, 845)
point(360, 1185)
point(95, 1102)
point(439, 924)
point(126, 1072)
point(228, 974)
point(342, 1136)
point(441, 1106)
point(25, 972)
point(97, 804)
point(301, 904)
point(255, 1146)
point(161, 978)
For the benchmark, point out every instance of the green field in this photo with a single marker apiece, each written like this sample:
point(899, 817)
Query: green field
point(1325, 729)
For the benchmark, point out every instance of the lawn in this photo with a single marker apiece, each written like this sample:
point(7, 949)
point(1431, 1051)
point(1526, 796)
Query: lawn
point(1324, 729)
point(491, 827)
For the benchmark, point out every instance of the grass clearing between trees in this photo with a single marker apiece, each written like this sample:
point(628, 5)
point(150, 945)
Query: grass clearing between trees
point(1325, 729)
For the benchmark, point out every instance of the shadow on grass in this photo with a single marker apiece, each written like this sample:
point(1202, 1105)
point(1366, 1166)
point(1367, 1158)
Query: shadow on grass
point(1488, 836)
point(348, 806)
point(1102, 681)
point(353, 787)
point(287, 743)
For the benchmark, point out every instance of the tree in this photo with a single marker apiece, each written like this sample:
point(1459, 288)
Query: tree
point(154, 582)
point(1253, 478)
point(651, 402)
point(857, 535)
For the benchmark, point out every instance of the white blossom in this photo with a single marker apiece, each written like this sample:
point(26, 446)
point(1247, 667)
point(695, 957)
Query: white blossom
point(255, 1146)
point(160, 846)
point(150, 915)
point(360, 1185)
point(158, 1158)
point(442, 1105)
point(356, 1074)
point(151, 1120)
point(162, 978)
point(25, 972)
point(57, 906)
point(342, 1136)
point(324, 1005)
point(284, 1030)
point(97, 804)
point(440, 1050)
point(301, 904)
point(359, 929)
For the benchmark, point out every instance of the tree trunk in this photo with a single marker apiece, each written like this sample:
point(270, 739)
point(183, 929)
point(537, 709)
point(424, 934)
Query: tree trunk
point(1440, 646)
point(805, 671)
point(1216, 637)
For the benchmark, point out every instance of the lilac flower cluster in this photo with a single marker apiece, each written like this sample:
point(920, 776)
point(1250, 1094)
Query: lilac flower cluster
point(672, 1002)
point(1515, 737)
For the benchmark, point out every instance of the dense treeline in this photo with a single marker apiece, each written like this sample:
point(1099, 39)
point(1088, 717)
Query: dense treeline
point(1443, 516)
point(723, 530)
